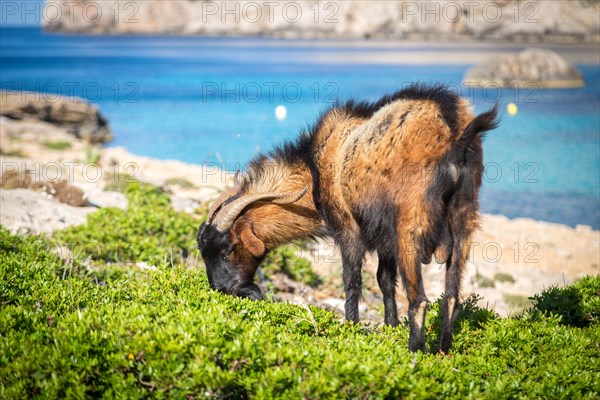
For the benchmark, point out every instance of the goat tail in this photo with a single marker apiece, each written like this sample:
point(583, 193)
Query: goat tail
point(476, 129)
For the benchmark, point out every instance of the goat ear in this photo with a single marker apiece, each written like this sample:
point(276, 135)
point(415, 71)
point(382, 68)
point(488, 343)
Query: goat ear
point(253, 244)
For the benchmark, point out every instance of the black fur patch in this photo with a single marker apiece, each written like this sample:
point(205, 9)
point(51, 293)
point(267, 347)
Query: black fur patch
point(475, 130)
point(377, 222)
point(441, 195)
point(214, 246)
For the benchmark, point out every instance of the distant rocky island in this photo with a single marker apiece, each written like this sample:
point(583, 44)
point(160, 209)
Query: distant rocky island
point(532, 21)
point(533, 66)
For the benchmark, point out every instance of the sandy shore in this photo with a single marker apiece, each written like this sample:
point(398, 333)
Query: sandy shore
point(510, 260)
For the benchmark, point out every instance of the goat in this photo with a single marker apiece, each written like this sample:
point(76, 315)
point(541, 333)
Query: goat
point(399, 176)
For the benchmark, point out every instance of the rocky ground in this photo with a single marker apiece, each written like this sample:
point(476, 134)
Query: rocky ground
point(511, 259)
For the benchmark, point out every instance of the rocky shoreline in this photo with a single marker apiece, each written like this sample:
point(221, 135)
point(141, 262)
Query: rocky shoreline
point(534, 21)
point(510, 260)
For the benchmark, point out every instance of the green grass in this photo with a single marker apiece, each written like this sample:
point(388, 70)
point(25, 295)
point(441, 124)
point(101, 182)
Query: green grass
point(181, 182)
point(91, 328)
point(504, 278)
point(118, 182)
point(149, 231)
point(12, 153)
point(57, 145)
point(484, 282)
point(286, 259)
point(516, 301)
point(92, 156)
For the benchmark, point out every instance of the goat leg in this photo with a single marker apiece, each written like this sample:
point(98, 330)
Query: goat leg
point(410, 271)
point(387, 277)
point(352, 264)
point(454, 268)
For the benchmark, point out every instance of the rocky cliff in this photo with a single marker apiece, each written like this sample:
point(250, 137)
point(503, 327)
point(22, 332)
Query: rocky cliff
point(532, 21)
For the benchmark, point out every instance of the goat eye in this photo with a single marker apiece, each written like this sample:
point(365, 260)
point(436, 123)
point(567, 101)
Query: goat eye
point(227, 252)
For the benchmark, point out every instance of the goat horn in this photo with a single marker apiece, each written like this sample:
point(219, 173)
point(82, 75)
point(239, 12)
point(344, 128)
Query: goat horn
point(237, 179)
point(230, 212)
point(218, 203)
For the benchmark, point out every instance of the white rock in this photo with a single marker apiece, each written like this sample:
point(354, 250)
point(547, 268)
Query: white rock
point(101, 198)
point(336, 304)
point(26, 211)
point(180, 203)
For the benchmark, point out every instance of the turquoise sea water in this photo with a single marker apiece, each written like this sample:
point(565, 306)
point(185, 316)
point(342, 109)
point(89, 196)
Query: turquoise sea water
point(212, 100)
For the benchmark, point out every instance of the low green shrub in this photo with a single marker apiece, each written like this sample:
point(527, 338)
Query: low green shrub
point(12, 153)
point(57, 145)
point(470, 318)
point(577, 305)
point(516, 301)
point(286, 259)
point(504, 278)
point(484, 281)
point(148, 231)
point(118, 182)
point(92, 155)
point(164, 333)
point(91, 326)
point(181, 182)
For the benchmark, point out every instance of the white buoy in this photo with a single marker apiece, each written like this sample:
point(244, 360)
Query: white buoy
point(280, 113)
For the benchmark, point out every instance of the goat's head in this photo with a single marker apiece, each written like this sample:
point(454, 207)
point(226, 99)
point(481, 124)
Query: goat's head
point(230, 248)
